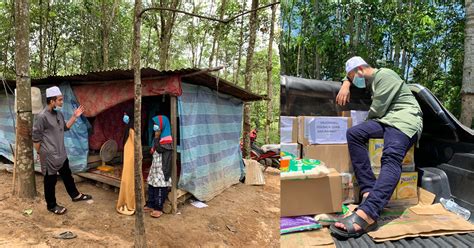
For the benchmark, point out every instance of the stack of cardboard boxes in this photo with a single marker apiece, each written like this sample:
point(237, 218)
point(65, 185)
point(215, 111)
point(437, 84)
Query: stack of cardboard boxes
point(324, 138)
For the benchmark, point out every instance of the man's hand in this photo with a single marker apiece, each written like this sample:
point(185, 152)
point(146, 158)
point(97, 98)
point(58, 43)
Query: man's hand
point(344, 94)
point(78, 112)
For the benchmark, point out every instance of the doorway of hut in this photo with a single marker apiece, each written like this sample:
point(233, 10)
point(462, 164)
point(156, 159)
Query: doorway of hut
point(108, 129)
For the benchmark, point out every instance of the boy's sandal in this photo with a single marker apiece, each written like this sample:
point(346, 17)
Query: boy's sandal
point(350, 231)
point(59, 210)
point(82, 197)
point(147, 209)
point(154, 215)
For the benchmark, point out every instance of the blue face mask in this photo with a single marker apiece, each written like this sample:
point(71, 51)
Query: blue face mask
point(156, 128)
point(359, 82)
point(126, 119)
point(57, 108)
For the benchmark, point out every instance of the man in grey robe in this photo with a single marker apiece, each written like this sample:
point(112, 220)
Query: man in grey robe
point(48, 140)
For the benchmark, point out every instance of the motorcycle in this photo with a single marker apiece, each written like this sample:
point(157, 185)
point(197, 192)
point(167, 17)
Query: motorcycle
point(267, 155)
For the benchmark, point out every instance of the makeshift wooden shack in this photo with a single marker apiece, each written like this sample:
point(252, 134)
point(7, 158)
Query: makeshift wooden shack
point(205, 112)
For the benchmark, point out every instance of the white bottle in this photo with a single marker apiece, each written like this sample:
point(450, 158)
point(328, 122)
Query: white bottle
point(452, 206)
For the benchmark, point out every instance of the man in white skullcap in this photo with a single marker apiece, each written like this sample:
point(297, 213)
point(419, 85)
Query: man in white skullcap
point(48, 140)
point(395, 116)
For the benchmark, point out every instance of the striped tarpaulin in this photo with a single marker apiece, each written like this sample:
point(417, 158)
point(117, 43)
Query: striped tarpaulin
point(7, 132)
point(210, 128)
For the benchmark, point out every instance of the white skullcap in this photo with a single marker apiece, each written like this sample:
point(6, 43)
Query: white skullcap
point(353, 63)
point(53, 91)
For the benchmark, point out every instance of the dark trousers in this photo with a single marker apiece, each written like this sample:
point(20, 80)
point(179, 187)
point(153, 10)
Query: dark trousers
point(157, 197)
point(50, 185)
point(396, 145)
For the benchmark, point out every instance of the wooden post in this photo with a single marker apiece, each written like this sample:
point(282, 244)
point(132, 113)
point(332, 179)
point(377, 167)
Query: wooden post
point(174, 166)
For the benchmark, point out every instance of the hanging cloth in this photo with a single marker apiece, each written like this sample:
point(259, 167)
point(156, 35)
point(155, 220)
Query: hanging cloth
point(126, 200)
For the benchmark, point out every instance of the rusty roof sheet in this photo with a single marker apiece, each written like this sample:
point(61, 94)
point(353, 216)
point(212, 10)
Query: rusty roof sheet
point(189, 76)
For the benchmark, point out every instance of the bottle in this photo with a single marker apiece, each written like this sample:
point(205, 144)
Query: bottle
point(452, 206)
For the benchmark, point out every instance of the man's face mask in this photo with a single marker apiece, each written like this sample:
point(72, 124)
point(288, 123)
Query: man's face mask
point(358, 81)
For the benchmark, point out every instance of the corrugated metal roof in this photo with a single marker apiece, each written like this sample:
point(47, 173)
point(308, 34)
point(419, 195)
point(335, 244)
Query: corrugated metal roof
point(456, 240)
point(188, 74)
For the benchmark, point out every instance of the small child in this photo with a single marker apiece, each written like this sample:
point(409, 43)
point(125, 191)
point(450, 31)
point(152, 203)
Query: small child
point(159, 179)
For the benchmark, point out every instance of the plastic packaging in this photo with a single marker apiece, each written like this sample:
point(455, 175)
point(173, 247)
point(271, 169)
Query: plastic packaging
point(452, 206)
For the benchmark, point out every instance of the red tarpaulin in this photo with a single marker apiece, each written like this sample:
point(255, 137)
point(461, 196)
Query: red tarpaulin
point(98, 97)
point(109, 125)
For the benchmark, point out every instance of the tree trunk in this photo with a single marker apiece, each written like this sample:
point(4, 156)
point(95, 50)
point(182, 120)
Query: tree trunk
point(148, 48)
point(317, 58)
point(367, 33)
point(298, 61)
point(140, 238)
point(217, 33)
point(9, 37)
point(404, 61)
point(248, 77)
point(396, 56)
point(241, 44)
point(467, 90)
point(167, 21)
point(269, 75)
point(351, 32)
point(24, 146)
point(358, 28)
point(41, 47)
point(107, 20)
point(302, 55)
point(286, 65)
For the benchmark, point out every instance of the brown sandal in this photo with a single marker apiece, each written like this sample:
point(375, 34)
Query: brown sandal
point(154, 215)
point(147, 209)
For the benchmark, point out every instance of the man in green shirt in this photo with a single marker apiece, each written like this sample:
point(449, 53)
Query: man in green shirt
point(395, 116)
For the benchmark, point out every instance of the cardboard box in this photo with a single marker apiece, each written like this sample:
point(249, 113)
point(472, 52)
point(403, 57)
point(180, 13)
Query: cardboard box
point(293, 148)
point(288, 129)
point(405, 194)
point(375, 155)
point(312, 195)
point(358, 116)
point(333, 156)
point(323, 129)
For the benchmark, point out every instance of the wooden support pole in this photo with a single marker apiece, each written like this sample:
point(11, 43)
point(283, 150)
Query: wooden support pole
point(174, 166)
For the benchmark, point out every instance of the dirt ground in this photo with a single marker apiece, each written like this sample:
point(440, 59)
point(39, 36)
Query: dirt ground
point(241, 216)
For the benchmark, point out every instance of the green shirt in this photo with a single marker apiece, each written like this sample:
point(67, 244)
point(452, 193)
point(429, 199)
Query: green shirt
point(394, 104)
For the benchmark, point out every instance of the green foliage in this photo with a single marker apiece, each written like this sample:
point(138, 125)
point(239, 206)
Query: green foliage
point(72, 35)
point(422, 41)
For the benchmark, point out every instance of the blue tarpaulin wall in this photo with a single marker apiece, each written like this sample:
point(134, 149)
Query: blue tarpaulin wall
point(76, 139)
point(210, 128)
point(7, 132)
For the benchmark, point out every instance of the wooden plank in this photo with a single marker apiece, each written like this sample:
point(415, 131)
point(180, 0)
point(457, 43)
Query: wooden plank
point(93, 158)
point(100, 178)
point(174, 167)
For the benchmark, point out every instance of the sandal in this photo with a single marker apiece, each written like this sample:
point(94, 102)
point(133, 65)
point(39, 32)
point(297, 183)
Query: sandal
point(82, 197)
point(147, 209)
point(350, 231)
point(154, 215)
point(59, 210)
point(65, 235)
